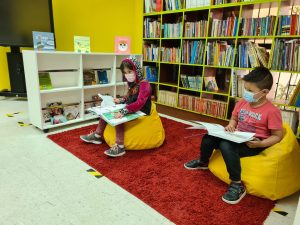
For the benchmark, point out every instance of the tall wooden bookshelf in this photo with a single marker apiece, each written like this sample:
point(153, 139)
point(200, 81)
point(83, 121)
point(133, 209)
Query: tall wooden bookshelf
point(171, 64)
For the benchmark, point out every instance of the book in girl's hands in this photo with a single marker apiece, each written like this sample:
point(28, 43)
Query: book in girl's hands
point(108, 112)
point(218, 130)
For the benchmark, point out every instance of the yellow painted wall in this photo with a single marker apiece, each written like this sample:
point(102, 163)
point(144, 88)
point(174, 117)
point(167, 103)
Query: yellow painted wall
point(102, 20)
point(4, 78)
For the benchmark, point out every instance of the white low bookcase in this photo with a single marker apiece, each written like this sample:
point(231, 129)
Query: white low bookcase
point(66, 73)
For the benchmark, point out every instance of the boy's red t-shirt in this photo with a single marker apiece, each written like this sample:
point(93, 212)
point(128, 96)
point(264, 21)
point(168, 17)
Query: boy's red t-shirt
point(260, 120)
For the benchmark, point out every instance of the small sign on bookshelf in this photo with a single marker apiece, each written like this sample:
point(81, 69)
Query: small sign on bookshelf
point(122, 45)
point(43, 41)
point(82, 44)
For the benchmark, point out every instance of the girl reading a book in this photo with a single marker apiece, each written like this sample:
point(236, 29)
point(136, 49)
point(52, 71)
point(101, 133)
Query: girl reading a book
point(254, 113)
point(138, 98)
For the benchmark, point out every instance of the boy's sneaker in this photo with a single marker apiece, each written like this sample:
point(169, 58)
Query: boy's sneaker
point(196, 165)
point(115, 151)
point(91, 138)
point(235, 193)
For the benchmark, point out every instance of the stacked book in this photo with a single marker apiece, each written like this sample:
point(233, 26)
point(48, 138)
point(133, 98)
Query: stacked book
point(192, 82)
point(286, 55)
point(171, 30)
point(195, 29)
point(196, 3)
point(258, 26)
point(150, 52)
point(193, 52)
point(219, 53)
point(251, 55)
point(170, 54)
point(189, 102)
point(151, 28)
point(224, 28)
point(167, 97)
point(151, 73)
point(213, 107)
point(288, 25)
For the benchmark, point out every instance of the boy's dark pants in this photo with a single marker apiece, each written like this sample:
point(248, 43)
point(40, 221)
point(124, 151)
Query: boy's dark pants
point(231, 151)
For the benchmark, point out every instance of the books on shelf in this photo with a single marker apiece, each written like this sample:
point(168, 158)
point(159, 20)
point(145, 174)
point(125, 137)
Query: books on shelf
point(196, 3)
point(101, 76)
point(195, 29)
point(224, 28)
point(288, 25)
point(263, 26)
point(71, 112)
point(151, 28)
point(210, 84)
point(171, 30)
point(151, 73)
point(82, 44)
point(45, 81)
point(89, 77)
point(173, 4)
point(150, 52)
point(170, 54)
point(193, 52)
point(218, 130)
point(43, 41)
point(219, 53)
point(192, 82)
point(294, 97)
point(189, 102)
point(212, 107)
point(152, 6)
point(286, 55)
point(291, 118)
point(167, 97)
point(237, 86)
point(252, 55)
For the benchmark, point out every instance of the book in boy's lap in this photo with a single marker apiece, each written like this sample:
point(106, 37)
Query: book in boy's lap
point(218, 130)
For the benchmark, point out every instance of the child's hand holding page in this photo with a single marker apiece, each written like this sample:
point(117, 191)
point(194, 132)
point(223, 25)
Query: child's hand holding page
point(118, 115)
point(230, 128)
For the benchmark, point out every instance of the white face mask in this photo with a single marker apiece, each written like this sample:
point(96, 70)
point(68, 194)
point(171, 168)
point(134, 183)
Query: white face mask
point(130, 77)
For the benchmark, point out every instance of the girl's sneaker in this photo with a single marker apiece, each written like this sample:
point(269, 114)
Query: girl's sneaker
point(91, 138)
point(235, 193)
point(115, 151)
point(196, 164)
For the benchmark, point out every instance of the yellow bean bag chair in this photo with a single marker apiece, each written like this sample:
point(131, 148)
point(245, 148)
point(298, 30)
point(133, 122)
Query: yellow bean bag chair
point(273, 174)
point(146, 132)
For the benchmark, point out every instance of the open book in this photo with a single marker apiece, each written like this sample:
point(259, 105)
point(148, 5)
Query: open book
point(218, 130)
point(108, 109)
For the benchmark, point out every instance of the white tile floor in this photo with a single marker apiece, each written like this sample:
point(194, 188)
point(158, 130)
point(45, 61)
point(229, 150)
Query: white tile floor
point(42, 184)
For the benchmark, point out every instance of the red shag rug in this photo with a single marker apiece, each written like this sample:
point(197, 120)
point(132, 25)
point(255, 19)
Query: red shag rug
point(158, 178)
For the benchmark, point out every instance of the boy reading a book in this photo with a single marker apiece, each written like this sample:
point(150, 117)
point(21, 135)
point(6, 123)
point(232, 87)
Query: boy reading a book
point(138, 98)
point(254, 113)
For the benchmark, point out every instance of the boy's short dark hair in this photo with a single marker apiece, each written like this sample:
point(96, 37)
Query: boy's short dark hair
point(261, 77)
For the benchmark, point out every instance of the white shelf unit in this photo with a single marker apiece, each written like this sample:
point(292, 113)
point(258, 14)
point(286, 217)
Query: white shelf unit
point(66, 73)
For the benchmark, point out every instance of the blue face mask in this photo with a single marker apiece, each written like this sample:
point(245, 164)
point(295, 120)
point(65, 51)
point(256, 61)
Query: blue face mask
point(249, 96)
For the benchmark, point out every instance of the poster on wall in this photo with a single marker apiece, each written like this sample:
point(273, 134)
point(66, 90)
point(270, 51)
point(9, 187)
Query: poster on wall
point(43, 41)
point(82, 44)
point(122, 45)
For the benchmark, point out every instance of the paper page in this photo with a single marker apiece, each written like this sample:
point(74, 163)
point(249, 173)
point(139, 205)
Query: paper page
point(110, 117)
point(107, 100)
point(106, 109)
point(211, 127)
point(237, 136)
